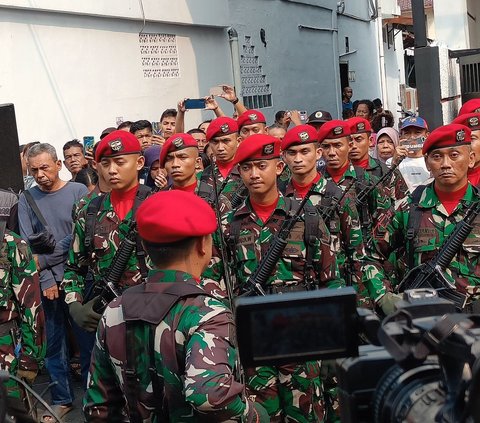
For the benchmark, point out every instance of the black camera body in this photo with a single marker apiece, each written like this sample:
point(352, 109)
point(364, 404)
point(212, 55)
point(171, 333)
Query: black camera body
point(420, 364)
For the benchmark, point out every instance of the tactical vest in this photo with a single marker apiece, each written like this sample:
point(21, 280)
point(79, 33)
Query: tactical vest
point(311, 235)
point(91, 220)
point(150, 308)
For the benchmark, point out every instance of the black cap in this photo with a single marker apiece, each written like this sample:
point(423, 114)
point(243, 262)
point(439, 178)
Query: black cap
point(320, 116)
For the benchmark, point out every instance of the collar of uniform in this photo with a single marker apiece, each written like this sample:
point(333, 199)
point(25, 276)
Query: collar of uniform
point(429, 198)
point(372, 163)
point(107, 206)
point(247, 208)
point(169, 276)
point(319, 187)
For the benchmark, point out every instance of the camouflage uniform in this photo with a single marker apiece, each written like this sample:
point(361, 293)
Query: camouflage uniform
point(292, 391)
point(347, 241)
point(109, 233)
point(396, 188)
point(226, 186)
point(194, 360)
point(372, 213)
point(435, 226)
point(20, 307)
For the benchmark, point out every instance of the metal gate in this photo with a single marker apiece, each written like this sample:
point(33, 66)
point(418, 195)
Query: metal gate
point(470, 76)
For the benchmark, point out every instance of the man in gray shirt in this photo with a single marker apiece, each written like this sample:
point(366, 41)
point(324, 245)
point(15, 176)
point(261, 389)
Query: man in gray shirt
point(55, 199)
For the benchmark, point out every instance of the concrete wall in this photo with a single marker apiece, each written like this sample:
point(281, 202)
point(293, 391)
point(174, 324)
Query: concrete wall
point(364, 59)
point(300, 64)
point(71, 75)
point(473, 7)
point(451, 24)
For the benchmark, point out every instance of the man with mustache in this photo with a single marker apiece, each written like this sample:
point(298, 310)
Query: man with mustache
point(424, 220)
point(74, 158)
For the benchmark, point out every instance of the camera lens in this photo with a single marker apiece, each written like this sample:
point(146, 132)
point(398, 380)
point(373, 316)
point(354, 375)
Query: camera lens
point(414, 395)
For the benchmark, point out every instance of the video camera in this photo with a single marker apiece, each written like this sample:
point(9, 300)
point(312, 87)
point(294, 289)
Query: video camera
point(422, 363)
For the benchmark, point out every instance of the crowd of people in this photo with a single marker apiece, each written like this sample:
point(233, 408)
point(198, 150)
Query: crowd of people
point(139, 256)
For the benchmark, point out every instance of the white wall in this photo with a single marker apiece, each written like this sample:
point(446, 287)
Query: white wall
point(474, 23)
point(451, 23)
point(72, 75)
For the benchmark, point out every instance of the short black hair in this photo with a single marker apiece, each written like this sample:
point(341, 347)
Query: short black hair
point(205, 121)
point(168, 113)
point(125, 124)
point(195, 131)
point(87, 176)
point(377, 103)
point(71, 144)
point(163, 255)
point(280, 114)
point(367, 103)
point(139, 125)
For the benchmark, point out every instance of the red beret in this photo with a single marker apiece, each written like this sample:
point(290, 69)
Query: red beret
point(359, 125)
point(447, 136)
point(221, 126)
point(174, 143)
point(472, 120)
point(249, 117)
point(333, 130)
point(471, 106)
point(117, 143)
point(171, 216)
point(258, 147)
point(301, 134)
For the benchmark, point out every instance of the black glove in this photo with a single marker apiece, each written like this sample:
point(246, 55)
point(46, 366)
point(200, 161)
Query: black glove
point(84, 316)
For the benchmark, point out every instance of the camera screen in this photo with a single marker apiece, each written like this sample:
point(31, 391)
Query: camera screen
point(297, 330)
point(294, 327)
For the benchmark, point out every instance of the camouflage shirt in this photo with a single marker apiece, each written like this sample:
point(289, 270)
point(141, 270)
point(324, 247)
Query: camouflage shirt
point(20, 301)
point(228, 186)
point(395, 187)
point(254, 240)
point(434, 228)
point(109, 233)
point(194, 359)
point(343, 223)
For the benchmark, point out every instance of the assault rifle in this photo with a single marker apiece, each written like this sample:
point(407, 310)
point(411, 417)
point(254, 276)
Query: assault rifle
point(362, 196)
point(431, 273)
point(107, 288)
point(258, 279)
point(223, 251)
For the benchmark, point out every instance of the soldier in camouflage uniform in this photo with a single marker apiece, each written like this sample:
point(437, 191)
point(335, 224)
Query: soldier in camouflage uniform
point(291, 392)
point(301, 150)
point(118, 154)
point(179, 157)
point(440, 206)
point(336, 142)
point(222, 137)
point(394, 187)
point(161, 360)
point(22, 322)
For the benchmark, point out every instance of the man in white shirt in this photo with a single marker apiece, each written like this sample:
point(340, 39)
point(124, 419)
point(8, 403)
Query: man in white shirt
point(413, 132)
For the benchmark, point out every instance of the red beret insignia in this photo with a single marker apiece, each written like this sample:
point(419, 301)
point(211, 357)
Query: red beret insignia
point(178, 142)
point(303, 136)
point(116, 145)
point(224, 128)
point(473, 121)
point(338, 130)
point(267, 150)
point(360, 126)
point(252, 117)
point(460, 137)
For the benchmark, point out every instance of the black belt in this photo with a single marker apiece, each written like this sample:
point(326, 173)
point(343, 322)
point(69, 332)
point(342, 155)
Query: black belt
point(6, 327)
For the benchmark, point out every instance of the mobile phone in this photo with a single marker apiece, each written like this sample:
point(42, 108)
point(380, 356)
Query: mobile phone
point(217, 90)
point(88, 143)
point(194, 103)
point(156, 128)
point(303, 115)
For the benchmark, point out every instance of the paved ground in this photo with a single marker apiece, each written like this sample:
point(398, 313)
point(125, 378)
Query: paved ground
point(75, 416)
